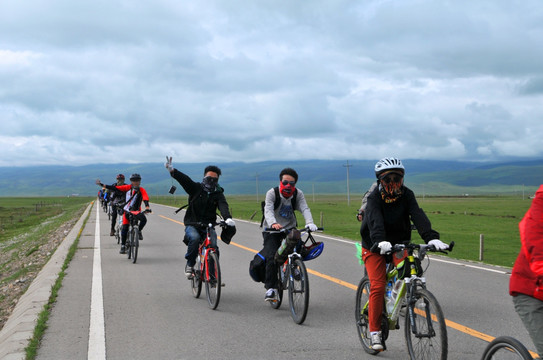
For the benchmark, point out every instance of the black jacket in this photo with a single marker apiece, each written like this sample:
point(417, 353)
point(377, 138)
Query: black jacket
point(202, 205)
point(392, 222)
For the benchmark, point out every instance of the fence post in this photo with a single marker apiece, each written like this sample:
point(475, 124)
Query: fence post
point(481, 246)
point(322, 220)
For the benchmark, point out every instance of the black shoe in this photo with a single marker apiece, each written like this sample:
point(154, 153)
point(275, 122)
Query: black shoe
point(141, 236)
point(123, 250)
point(112, 232)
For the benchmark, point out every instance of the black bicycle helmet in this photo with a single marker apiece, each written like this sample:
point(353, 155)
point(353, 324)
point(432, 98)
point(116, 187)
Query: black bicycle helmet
point(120, 177)
point(135, 177)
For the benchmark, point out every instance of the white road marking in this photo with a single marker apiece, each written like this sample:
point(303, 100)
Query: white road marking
point(97, 337)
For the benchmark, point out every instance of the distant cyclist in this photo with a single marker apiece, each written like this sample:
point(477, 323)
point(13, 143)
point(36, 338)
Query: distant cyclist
point(288, 199)
point(117, 197)
point(526, 283)
point(390, 209)
point(362, 210)
point(134, 195)
point(204, 199)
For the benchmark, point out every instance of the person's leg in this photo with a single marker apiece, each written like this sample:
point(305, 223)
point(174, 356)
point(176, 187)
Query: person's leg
point(193, 237)
point(113, 220)
point(271, 244)
point(530, 311)
point(376, 268)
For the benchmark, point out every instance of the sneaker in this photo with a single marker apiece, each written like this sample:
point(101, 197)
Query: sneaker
point(271, 295)
point(376, 341)
point(189, 271)
point(141, 236)
point(123, 250)
point(112, 233)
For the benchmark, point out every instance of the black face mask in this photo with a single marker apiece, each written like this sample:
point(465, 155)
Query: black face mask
point(210, 183)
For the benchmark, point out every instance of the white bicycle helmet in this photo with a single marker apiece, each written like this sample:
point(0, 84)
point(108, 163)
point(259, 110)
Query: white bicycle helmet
point(388, 163)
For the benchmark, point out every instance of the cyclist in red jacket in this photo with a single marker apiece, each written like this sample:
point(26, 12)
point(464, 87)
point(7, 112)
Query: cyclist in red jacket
point(526, 283)
point(135, 195)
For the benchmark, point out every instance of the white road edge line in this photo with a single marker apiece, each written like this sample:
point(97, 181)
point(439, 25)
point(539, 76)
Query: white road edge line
point(97, 338)
point(353, 242)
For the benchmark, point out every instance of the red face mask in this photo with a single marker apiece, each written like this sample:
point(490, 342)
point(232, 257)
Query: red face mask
point(287, 188)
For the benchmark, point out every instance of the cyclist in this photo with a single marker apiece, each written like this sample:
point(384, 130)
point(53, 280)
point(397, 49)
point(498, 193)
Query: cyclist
point(134, 195)
point(204, 200)
point(391, 207)
point(278, 217)
point(526, 283)
point(117, 197)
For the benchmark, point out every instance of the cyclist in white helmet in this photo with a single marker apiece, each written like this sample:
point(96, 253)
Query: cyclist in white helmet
point(387, 220)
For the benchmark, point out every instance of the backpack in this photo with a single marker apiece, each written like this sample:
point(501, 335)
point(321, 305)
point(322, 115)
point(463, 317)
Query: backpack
point(277, 203)
point(257, 268)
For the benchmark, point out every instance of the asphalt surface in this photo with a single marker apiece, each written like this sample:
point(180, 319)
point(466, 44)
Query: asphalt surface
point(149, 311)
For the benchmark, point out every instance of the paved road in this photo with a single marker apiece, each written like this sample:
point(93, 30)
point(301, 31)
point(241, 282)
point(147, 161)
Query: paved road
point(149, 311)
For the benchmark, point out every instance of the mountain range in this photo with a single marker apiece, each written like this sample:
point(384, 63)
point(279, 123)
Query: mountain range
point(432, 177)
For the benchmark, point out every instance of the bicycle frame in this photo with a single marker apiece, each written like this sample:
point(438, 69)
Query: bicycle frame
point(203, 250)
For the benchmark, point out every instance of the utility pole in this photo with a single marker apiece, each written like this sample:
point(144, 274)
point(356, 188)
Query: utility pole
point(348, 191)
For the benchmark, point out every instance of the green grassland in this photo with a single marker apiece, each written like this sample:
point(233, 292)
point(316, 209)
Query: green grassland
point(458, 219)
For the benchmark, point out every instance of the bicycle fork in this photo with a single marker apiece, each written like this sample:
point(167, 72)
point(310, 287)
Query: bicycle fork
point(414, 312)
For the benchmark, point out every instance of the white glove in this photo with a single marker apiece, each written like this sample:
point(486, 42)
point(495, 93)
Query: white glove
point(438, 244)
point(385, 247)
point(312, 227)
point(168, 165)
point(230, 222)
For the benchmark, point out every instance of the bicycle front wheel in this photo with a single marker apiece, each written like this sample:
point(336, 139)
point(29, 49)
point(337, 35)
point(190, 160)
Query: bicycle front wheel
point(213, 279)
point(196, 279)
point(135, 245)
point(505, 348)
point(425, 330)
point(298, 291)
point(129, 243)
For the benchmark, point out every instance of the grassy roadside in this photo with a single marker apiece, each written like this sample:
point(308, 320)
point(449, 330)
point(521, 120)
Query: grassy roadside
point(459, 219)
point(41, 325)
point(30, 231)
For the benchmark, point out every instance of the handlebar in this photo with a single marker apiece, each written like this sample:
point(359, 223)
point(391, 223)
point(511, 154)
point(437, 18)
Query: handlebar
point(136, 212)
point(287, 230)
point(410, 246)
point(202, 225)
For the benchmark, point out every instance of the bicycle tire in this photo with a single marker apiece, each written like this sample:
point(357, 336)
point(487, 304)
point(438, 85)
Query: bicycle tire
point(506, 347)
point(196, 279)
point(129, 245)
point(298, 291)
point(361, 315)
point(135, 245)
point(276, 304)
point(213, 282)
point(430, 342)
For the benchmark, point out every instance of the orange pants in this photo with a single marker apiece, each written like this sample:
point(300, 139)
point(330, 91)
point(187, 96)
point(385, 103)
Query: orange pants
point(376, 268)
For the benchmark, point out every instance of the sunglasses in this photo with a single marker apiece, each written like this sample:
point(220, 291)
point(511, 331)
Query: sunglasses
point(392, 179)
point(286, 182)
point(211, 179)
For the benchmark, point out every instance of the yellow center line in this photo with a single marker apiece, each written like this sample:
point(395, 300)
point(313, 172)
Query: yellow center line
point(451, 324)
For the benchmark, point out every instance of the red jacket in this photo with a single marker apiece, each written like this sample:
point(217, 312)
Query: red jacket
point(527, 276)
point(136, 201)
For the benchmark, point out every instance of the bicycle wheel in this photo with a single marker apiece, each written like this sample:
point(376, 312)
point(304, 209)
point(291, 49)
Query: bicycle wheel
point(425, 330)
point(280, 287)
point(135, 244)
point(298, 291)
point(118, 234)
point(213, 280)
point(196, 279)
point(361, 315)
point(129, 244)
point(506, 347)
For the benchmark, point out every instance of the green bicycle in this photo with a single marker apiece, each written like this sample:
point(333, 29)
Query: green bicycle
point(425, 329)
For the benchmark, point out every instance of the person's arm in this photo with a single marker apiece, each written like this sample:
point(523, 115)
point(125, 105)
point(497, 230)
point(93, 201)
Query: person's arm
point(532, 235)
point(222, 204)
point(420, 220)
point(301, 206)
point(144, 197)
point(269, 211)
point(185, 181)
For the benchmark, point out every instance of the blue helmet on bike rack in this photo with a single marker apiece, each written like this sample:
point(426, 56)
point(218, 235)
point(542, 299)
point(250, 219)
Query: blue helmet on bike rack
point(313, 251)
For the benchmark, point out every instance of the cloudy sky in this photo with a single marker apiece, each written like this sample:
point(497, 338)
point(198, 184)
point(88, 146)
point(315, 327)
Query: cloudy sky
point(109, 81)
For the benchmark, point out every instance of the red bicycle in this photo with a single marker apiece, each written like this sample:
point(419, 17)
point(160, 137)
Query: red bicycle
point(207, 269)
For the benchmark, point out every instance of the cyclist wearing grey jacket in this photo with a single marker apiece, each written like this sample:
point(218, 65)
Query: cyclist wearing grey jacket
point(278, 215)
